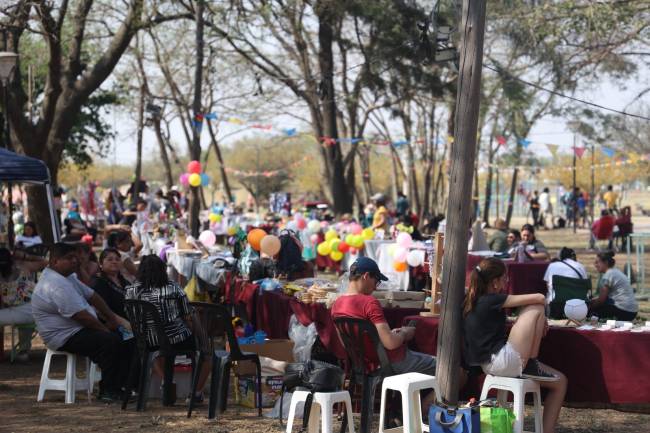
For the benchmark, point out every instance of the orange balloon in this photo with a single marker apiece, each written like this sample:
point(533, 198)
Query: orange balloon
point(400, 266)
point(255, 237)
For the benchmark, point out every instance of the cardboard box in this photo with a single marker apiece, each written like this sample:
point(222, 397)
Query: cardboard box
point(279, 350)
point(271, 389)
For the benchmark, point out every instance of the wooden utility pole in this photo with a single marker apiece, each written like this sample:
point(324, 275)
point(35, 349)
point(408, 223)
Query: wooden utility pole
point(195, 147)
point(463, 153)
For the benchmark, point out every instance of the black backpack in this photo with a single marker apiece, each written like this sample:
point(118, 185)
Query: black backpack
point(290, 256)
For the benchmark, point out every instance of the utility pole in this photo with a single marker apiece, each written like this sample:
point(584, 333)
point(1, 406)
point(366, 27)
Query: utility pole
point(195, 147)
point(574, 203)
point(463, 153)
point(593, 184)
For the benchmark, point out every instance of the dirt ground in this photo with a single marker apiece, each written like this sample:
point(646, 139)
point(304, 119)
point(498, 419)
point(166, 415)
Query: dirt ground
point(21, 413)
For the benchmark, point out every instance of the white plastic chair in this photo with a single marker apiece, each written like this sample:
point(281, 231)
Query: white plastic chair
point(323, 408)
point(409, 386)
point(71, 383)
point(519, 388)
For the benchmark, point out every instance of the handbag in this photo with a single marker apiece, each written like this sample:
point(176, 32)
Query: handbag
point(454, 420)
point(566, 288)
point(496, 420)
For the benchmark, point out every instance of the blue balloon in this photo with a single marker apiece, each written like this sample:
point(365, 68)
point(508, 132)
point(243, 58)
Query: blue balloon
point(205, 179)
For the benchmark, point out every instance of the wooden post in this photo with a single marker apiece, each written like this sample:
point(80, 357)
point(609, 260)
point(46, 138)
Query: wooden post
point(195, 145)
point(463, 153)
point(435, 271)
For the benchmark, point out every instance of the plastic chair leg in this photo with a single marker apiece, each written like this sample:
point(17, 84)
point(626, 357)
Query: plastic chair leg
point(196, 370)
point(131, 378)
point(215, 386)
point(258, 391)
point(70, 379)
point(224, 385)
point(367, 402)
point(44, 376)
point(143, 385)
point(168, 397)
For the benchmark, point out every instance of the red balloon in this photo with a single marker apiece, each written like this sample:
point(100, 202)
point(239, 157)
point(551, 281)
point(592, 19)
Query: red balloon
point(301, 223)
point(353, 250)
point(194, 167)
point(343, 247)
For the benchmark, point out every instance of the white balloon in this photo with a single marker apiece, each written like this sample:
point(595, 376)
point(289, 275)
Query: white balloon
point(576, 309)
point(415, 258)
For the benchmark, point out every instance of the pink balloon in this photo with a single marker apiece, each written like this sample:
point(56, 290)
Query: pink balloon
point(355, 229)
point(207, 238)
point(301, 223)
point(324, 224)
point(184, 179)
point(314, 239)
point(401, 254)
point(404, 240)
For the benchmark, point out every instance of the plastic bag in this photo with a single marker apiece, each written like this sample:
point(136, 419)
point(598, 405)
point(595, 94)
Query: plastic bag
point(286, 405)
point(303, 338)
point(193, 293)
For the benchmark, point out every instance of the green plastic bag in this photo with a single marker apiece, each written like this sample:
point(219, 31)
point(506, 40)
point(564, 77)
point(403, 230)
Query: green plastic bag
point(496, 420)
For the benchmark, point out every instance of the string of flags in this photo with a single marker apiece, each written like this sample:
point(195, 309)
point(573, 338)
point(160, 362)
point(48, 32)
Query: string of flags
point(631, 159)
point(266, 173)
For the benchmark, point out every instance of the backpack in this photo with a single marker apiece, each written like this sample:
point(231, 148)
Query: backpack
point(290, 256)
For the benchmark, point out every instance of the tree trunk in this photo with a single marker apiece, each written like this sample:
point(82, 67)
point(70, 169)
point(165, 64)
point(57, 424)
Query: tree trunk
point(138, 156)
point(511, 197)
point(169, 177)
point(394, 173)
point(195, 147)
point(462, 163)
point(364, 163)
point(222, 166)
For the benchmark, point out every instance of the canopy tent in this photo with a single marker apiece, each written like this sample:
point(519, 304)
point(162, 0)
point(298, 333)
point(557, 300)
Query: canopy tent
point(16, 168)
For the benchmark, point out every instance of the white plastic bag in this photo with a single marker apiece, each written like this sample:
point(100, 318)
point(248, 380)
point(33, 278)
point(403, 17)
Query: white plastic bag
point(286, 405)
point(303, 338)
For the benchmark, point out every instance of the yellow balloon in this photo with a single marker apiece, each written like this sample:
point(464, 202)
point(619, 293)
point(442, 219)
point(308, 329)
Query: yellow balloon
point(336, 256)
point(231, 231)
point(349, 239)
point(195, 179)
point(368, 234)
point(331, 234)
point(324, 248)
point(213, 217)
point(358, 241)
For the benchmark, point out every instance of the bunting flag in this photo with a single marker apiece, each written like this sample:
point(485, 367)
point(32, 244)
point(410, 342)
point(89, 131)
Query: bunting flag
point(553, 149)
point(235, 120)
point(501, 140)
point(328, 141)
point(609, 152)
point(211, 116)
point(289, 132)
point(525, 142)
point(580, 151)
point(266, 173)
point(400, 143)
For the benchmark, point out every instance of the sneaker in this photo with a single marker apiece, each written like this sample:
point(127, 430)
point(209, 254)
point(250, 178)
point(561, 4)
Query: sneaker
point(533, 371)
point(108, 397)
point(198, 398)
point(22, 357)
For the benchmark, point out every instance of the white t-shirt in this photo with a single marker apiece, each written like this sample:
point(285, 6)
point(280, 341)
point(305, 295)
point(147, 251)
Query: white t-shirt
point(544, 202)
point(562, 269)
point(29, 241)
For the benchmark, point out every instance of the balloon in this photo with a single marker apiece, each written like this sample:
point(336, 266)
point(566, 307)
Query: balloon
point(194, 167)
point(219, 218)
point(324, 248)
point(314, 238)
point(331, 234)
point(324, 224)
point(349, 239)
point(400, 266)
point(205, 179)
point(353, 251)
point(301, 223)
point(334, 244)
point(184, 179)
point(343, 247)
point(357, 241)
point(194, 179)
point(207, 238)
point(231, 231)
point(270, 245)
point(213, 217)
point(313, 226)
point(415, 258)
point(400, 254)
point(337, 256)
point(255, 237)
point(368, 234)
point(355, 228)
point(404, 240)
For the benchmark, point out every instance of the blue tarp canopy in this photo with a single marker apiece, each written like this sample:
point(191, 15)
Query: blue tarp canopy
point(20, 168)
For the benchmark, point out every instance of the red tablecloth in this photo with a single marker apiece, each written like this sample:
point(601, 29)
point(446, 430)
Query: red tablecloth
point(523, 278)
point(275, 308)
point(245, 293)
point(602, 366)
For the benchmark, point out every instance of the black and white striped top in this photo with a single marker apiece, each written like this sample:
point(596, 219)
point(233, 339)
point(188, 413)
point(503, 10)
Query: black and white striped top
point(172, 305)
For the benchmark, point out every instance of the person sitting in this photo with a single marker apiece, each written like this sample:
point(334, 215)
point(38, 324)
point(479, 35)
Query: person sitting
point(625, 226)
point(110, 284)
point(289, 260)
point(513, 239)
point(531, 247)
point(88, 266)
point(602, 229)
point(487, 345)
point(358, 302)
point(128, 245)
point(566, 265)
point(66, 320)
point(16, 288)
point(153, 285)
point(498, 240)
point(30, 236)
point(615, 293)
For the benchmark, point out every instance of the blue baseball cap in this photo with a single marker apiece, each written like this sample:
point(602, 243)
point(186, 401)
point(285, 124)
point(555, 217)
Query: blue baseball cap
point(365, 264)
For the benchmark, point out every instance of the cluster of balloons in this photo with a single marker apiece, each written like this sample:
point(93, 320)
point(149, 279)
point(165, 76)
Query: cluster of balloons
point(402, 257)
point(264, 243)
point(336, 248)
point(194, 177)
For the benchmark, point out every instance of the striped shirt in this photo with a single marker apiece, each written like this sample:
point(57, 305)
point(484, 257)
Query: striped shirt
point(172, 305)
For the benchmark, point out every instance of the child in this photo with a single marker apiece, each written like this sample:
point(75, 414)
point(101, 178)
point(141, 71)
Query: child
point(488, 346)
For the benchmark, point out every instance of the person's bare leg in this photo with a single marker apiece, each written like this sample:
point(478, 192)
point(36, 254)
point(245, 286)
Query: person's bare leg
point(554, 398)
point(524, 331)
point(203, 374)
point(539, 334)
point(158, 367)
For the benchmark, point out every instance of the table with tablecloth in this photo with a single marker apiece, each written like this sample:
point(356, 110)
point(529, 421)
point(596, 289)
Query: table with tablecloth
point(602, 366)
point(274, 310)
point(523, 278)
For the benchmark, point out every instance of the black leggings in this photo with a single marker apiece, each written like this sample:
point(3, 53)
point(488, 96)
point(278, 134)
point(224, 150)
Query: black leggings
point(610, 311)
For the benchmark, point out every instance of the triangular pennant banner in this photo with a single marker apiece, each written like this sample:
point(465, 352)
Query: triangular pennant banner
point(524, 142)
point(501, 140)
point(580, 151)
point(553, 149)
point(290, 132)
point(609, 152)
point(211, 116)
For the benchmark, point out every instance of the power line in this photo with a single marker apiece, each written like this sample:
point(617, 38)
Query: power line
point(562, 95)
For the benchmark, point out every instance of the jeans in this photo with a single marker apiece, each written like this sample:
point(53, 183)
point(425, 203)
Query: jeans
point(105, 349)
point(19, 315)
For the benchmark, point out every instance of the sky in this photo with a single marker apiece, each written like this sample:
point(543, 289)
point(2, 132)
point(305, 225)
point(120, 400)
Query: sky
point(547, 130)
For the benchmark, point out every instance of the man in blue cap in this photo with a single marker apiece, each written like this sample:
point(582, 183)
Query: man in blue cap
point(359, 303)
